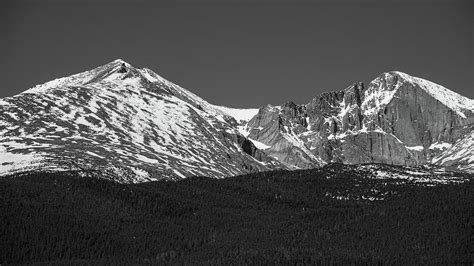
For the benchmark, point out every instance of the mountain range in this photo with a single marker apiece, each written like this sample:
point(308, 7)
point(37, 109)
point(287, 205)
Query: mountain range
point(132, 125)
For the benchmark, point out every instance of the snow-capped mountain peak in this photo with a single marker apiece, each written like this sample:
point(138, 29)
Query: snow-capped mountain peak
point(125, 120)
point(396, 119)
point(382, 90)
point(456, 102)
point(80, 78)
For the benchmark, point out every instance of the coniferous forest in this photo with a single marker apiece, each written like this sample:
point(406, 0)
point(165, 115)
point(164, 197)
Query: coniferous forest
point(278, 217)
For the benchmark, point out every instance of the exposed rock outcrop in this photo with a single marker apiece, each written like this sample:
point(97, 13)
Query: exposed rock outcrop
point(396, 119)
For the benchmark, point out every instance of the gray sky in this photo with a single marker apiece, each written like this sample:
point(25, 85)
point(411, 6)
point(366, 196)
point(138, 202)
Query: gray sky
point(241, 54)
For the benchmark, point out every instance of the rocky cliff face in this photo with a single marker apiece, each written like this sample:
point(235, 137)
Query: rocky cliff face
point(395, 119)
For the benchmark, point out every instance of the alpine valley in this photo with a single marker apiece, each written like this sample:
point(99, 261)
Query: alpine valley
point(131, 125)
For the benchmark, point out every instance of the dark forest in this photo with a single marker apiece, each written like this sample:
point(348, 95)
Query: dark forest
point(278, 217)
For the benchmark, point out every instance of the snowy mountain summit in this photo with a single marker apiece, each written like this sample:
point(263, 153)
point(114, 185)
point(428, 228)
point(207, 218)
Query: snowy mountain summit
point(133, 125)
point(124, 121)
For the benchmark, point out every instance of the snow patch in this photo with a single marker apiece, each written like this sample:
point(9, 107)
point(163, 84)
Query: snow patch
point(146, 159)
point(244, 130)
point(415, 148)
point(238, 114)
point(140, 173)
point(12, 161)
point(178, 173)
point(2, 102)
point(259, 145)
point(440, 146)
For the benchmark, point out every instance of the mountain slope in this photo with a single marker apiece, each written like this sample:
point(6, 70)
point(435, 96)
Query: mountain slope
point(133, 125)
point(396, 119)
point(125, 121)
